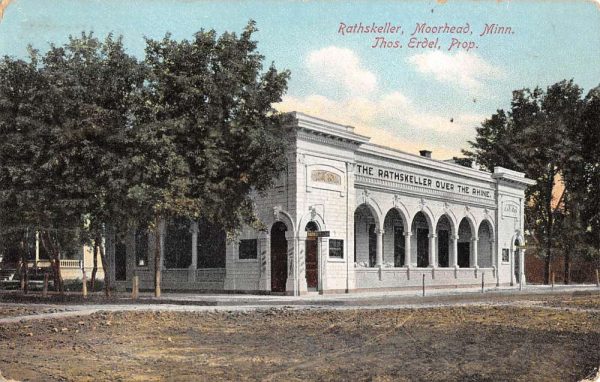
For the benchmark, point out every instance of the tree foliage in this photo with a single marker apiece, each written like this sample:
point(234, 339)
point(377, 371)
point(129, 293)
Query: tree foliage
point(92, 138)
point(548, 134)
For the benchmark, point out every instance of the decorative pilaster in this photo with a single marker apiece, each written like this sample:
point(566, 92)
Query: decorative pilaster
point(322, 255)
point(432, 250)
point(454, 254)
point(264, 250)
point(407, 250)
point(379, 250)
point(473, 261)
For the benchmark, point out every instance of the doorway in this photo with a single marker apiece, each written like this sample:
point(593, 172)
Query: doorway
point(312, 258)
point(278, 257)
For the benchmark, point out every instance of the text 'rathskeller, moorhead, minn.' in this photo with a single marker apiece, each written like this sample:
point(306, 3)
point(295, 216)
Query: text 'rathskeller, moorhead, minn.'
point(424, 35)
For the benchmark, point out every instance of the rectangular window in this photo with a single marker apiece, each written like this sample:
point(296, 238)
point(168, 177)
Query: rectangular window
point(336, 248)
point(505, 255)
point(248, 249)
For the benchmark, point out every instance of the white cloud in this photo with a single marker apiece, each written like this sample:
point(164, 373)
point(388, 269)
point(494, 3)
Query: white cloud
point(341, 67)
point(392, 120)
point(465, 70)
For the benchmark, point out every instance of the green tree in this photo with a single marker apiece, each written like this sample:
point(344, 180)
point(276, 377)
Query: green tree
point(92, 138)
point(206, 135)
point(534, 136)
point(27, 119)
point(97, 85)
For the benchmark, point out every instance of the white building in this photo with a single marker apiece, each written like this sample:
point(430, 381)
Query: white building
point(347, 216)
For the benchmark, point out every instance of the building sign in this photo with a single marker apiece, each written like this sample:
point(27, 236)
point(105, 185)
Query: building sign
point(316, 234)
point(510, 209)
point(324, 176)
point(423, 181)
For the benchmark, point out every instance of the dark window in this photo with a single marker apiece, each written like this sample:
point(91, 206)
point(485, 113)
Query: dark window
point(464, 254)
point(248, 249)
point(422, 247)
point(178, 244)
point(399, 251)
point(120, 260)
point(443, 248)
point(505, 255)
point(141, 247)
point(372, 245)
point(336, 248)
point(211, 245)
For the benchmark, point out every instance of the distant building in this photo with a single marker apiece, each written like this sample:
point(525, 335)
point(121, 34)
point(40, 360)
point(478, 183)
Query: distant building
point(346, 216)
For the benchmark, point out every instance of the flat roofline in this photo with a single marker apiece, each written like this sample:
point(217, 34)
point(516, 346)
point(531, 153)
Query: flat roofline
point(325, 126)
point(437, 161)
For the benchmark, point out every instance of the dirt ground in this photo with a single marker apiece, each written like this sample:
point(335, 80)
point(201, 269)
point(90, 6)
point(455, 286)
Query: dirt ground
point(550, 339)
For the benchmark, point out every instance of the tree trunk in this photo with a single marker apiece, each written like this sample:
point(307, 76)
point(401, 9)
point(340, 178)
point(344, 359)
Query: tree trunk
point(54, 254)
point(157, 258)
point(567, 274)
point(105, 266)
point(24, 266)
point(550, 222)
point(95, 266)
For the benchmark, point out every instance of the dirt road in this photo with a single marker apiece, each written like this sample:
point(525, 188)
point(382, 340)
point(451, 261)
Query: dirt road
point(551, 338)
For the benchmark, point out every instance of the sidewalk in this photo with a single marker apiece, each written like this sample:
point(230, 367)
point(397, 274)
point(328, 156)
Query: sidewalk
point(362, 297)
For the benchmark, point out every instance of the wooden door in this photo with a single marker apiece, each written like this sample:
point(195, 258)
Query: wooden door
point(312, 263)
point(278, 257)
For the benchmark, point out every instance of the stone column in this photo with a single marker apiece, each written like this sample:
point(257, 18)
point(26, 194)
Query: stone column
point(454, 254)
point(473, 262)
point(407, 250)
point(379, 252)
point(432, 250)
point(512, 266)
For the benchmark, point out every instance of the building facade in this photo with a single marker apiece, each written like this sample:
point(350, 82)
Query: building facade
point(345, 216)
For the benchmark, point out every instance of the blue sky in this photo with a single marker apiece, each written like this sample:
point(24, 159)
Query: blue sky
point(403, 97)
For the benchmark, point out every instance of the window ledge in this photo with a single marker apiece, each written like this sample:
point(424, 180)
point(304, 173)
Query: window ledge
point(335, 260)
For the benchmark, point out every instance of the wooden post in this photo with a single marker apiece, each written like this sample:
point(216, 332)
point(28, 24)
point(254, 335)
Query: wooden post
point(597, 279)
point(84, 284)
point(135, 289)
point(482, 282)
point(552, 280)
point(423, 284)
point(45, 290)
